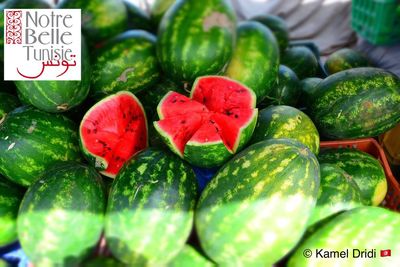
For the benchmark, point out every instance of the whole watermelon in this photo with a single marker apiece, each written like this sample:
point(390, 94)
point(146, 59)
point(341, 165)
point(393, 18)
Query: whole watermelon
point(278, 26)
point(61, 216)
point(101, 19)
point(365, 229)
point(150, 209)
point(196, 38)
point(126, 63)
point(364, 169)
point(256, 208)
point(355, 103)
point(338, 192)
point(344, 59)
point(58, 96)
point(301, 60)
point(31, 141)
point(255, 59)
point(287, 89)
point(277, 122)
point(10, 198)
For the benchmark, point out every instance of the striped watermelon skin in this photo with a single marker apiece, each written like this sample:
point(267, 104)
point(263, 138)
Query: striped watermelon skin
point(8, 103)
point(355, 103)
point(366, 171)
point(337, 192)
point(150, 209)
point(189, 256)
point(127, 63)
point(361, 228)
point(255, 209)
point(277, 122)
point(101, 19)
point(344, 59)
point(10, 198)
point(287, 89)
point(58, 96)
point(195, 38)
point(61, 216)
point(28, 148)
point(255, 59)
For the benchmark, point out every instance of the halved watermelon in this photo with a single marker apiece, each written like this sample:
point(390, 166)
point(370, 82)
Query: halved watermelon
point(112, 131)
point(212, 125)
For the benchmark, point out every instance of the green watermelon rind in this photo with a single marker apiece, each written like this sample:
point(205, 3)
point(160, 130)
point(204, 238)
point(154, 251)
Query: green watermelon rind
point(61, 216)
point(98, 162)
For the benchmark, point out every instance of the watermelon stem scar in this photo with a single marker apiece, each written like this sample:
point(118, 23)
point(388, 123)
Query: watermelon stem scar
point(212, 125)
point(112, 131)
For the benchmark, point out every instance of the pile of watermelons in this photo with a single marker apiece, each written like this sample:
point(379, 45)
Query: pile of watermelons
point(114, 153)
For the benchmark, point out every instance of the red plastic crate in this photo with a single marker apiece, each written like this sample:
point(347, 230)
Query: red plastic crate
point(372, 147)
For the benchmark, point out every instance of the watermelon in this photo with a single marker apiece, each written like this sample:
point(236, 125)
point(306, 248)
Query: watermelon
point(208, 128)
point(308, 88)
point(61, 215)
point(10, 198)
point(101, 19)
point(371, 230)
point(286, 122)
point(338, 192)
point(112, 131)
point(159, 8)
point(128, 62)
point(279, 28)
point(301, 60)
point(287, 90)
point(188, 256)
point(355, 103)
point(366, 171)
point(256, 208)
point(255, 59)
point(58, 96)
point(196, 38)
point(344, 59)
point(138, 18)
point(8, 103)
point(31, 141)
point(150, 209)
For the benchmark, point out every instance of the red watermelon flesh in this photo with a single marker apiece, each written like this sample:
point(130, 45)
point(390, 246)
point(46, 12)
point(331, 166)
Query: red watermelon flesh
point(114, 130)
point(218, 110)
point(176, 104)
point(181, 128)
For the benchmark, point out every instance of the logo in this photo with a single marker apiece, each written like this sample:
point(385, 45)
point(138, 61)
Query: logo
point(42, 44)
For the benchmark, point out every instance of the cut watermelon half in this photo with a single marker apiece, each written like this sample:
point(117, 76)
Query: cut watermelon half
point(212, 125)
point(112, 131)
